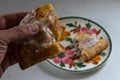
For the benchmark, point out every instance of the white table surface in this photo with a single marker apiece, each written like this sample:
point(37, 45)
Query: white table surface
point(104, 12)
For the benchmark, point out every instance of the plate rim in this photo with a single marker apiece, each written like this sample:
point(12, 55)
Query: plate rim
point(102, 63)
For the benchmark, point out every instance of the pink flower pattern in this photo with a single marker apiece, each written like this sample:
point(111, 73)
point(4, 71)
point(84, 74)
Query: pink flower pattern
point(64, 56)
point(86, 30)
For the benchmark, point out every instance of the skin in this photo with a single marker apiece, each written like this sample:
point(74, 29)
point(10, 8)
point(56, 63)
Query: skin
point(10, 32)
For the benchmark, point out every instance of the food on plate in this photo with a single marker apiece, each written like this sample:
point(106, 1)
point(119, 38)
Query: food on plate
point(94, 50)
point(45, 44)
point(89, 46)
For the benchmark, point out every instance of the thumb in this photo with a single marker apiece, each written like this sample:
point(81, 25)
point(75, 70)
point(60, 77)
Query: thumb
point(19, 32)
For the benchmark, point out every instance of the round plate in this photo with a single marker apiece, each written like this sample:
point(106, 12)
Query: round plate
point(64, 61)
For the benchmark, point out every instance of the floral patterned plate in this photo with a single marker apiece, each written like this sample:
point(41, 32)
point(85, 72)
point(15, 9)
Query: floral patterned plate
point(67, 59)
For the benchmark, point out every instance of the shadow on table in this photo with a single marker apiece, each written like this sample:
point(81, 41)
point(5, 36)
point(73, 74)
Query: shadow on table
point(58, 73)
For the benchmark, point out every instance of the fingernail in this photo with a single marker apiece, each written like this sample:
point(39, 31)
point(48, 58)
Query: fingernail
point(33, 28)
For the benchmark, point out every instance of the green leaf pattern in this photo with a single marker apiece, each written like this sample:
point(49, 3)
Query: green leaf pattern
point(88, 25)
point(62, 64)
point(69, 39)
point(71, 24)
point(103, 54)
point(80, 65)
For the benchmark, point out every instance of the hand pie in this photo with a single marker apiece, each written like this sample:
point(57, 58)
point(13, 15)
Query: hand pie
point(45, 44)
point(90, 46)
point(94, 50)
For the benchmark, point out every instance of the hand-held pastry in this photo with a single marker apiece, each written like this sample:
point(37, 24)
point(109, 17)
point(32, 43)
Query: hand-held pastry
point(44, 45)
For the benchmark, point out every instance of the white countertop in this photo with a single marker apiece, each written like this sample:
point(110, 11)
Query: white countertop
point(104, 12)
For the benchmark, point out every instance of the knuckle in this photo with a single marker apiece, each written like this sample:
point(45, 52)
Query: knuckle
point(22, 31)
point(3, 39)
point(2, 22)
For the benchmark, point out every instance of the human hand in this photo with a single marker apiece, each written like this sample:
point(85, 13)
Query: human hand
point(10, 32)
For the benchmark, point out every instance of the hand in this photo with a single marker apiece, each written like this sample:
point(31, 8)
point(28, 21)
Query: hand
point(10, 32)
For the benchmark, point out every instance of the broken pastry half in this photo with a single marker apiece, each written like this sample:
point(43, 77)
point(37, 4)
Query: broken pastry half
point(89, 46)
point(45, 44)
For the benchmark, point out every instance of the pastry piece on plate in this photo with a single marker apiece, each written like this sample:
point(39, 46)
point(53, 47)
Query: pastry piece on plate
point(94, 50)
point(45, 44)
point(90, 46)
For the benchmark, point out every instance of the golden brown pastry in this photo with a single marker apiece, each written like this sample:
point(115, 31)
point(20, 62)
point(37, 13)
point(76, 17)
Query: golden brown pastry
point(44, 45)
point(94, 50)
point(89, 46)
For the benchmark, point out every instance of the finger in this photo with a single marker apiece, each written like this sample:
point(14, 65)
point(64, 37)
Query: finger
point(5, 63)
point(18, 33)
point(12, 59)
point(3, 49)
point(10, 53)
point(10, 20)
point(1, 71)
point(8, 61)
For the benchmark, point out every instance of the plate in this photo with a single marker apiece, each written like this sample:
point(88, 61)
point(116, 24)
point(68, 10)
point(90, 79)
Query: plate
point(65, 60)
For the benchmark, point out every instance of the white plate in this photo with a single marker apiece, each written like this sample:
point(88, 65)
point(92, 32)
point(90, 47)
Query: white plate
point(62, 61)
